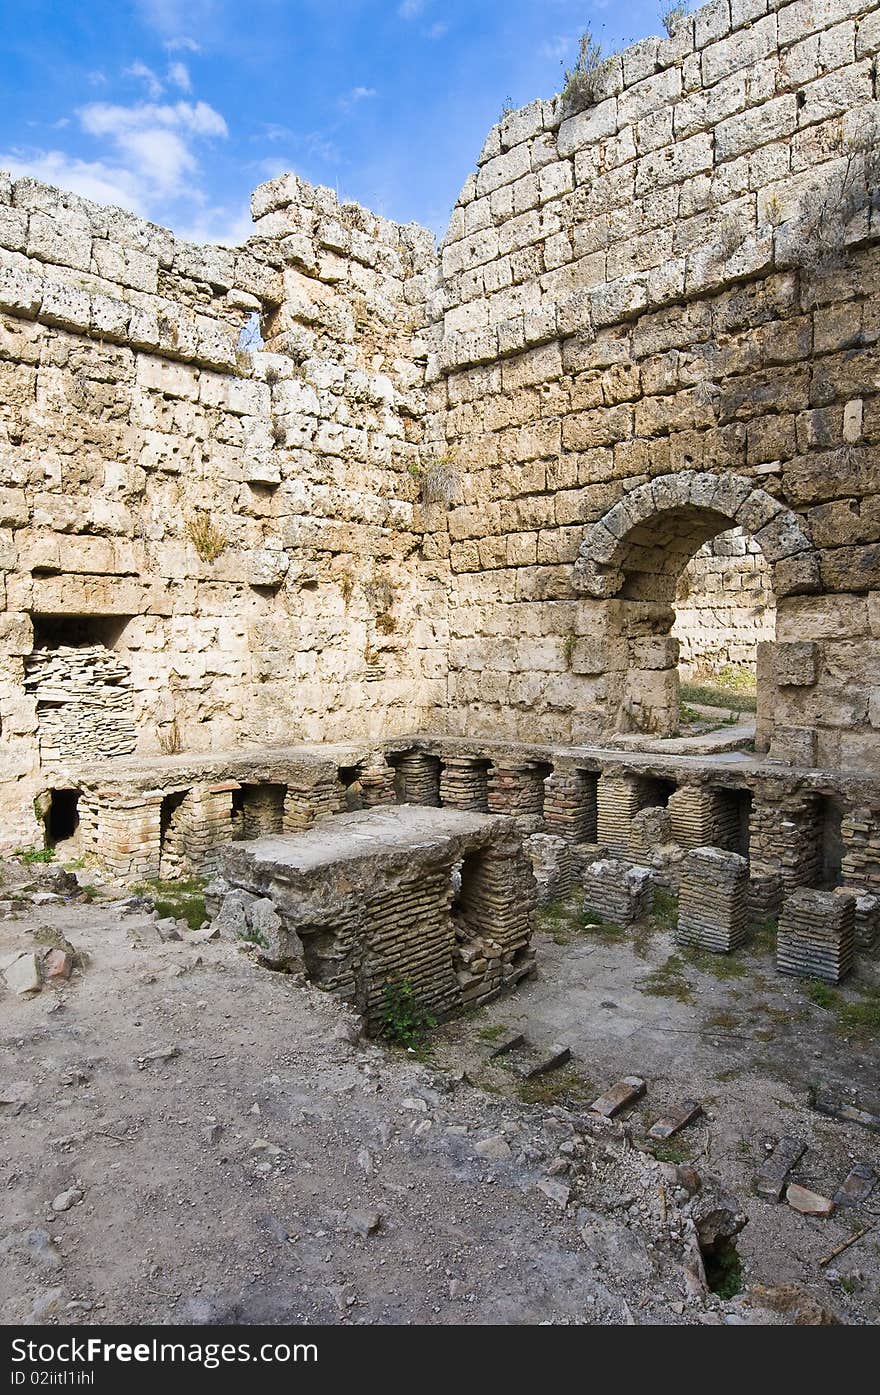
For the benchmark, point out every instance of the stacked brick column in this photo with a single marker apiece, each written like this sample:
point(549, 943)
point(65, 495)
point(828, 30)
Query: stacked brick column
point(377, 784)
point(713, 903)
point(420, 778)
point(307, 801)
point(129, 834)
point(570, 805)
point(464, 783)
point(617, 800)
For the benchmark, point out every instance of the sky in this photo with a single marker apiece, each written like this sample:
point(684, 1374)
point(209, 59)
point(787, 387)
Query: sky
point(176, 109)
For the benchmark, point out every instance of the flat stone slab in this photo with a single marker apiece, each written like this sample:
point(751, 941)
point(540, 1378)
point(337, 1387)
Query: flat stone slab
point(626, 1091)
point(529, 1060)
point(807, 1202)
point(388, 838)
point(848, 1113)
point(677, 1117)
point(773, 1173)
point(857, 1186)
point(22, 974)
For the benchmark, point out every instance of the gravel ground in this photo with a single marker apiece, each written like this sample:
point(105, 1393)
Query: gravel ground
point(192, 1138)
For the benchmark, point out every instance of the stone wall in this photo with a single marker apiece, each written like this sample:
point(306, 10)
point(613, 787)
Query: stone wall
point(458, 494)
point(248, 526)
point(724, 606)
point(677, 282)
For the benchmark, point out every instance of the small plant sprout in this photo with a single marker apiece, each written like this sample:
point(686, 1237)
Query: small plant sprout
point(582, 81)
point(207, 539)
point(404, 1020)
point(674, 17)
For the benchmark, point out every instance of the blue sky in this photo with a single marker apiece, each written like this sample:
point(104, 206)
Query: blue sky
point(177, 108)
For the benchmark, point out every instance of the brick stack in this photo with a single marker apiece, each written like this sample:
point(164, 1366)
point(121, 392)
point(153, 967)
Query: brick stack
point(84, 702)
point(496, 907)
point(464, 783)
point(816, 936)
point(860, 831)
point(867, 917)
point(570, 805)
point(766, 892)
point(785, 838)
point(552, 860)
point(420, 779)
point(407, 939)
point(693, 816)
point(617, 800)
point(713, 900)
point(307, 801)
point(210, 825)
point(377, 784)
point(617, 891)
point(129, 834)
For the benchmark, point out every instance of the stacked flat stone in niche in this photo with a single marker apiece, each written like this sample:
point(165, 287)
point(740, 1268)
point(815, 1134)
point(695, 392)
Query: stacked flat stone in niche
point(618, 891)
point(867, 921)
point(420, 779)
point(84, 702)
point(713, 900)
point(464, 783)
point(816, 936)
point(860, 831)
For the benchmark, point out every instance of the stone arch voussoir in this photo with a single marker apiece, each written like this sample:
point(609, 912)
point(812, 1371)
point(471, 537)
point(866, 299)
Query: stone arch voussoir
point(601, 566)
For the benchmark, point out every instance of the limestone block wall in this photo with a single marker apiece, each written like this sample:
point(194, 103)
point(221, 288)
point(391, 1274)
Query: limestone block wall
point(724, 605)
point(457, 494)
point(679, 280)
point(242, 532)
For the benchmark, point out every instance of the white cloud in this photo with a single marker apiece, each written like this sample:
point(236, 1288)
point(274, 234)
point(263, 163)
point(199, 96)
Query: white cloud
point(141, 71)
point(558, 48)
point(182, 42)
point(154, 142)
point(91, 179)
point(173, 18)
point(219, 225)
point(178, 76)
point(106, 119)
point(357, 94)
point(408, 9)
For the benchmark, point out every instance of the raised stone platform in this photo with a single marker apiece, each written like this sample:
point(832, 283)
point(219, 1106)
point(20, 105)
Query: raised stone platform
point(437, 901)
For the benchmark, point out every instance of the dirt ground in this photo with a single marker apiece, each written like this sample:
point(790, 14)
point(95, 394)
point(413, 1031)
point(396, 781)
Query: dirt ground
point(748, 1043)
point(190, 1137)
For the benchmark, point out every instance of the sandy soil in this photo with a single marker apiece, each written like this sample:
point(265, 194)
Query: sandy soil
point(230, 1151)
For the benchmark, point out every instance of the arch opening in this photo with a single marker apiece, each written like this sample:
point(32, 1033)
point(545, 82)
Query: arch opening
point(634, 559)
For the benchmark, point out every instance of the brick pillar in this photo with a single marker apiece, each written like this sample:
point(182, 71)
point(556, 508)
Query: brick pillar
point(309, 798)
point(464, 783)
point(784, 838)
point(210, 825)
point(860, 869)
point(516, 788)
point(713, 904)
point(129, 836)
point(570, 805)
point(420, 778)
point(692, 811)
point(617, 801)
point(377, 783)
point(816, 936)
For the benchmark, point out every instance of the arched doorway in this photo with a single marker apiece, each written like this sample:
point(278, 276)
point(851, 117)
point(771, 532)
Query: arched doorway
point(632, 559)
point(724, 609)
